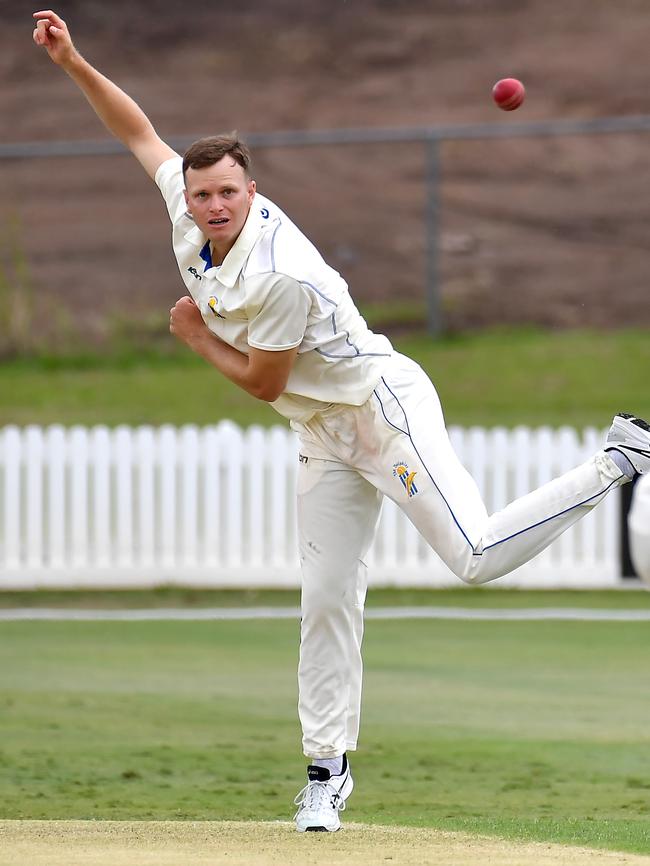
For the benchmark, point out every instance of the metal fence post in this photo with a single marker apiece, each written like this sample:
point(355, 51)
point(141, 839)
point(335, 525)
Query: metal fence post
point(434, 314)
point(627, 567)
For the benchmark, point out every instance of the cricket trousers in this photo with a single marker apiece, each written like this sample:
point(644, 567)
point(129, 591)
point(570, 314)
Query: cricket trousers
point(396, 445)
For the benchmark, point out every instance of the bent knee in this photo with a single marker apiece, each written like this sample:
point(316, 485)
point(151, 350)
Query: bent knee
point(476, 571)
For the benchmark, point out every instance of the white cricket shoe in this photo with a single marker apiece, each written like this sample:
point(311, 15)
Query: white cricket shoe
point(322, 798)
point(631, 436)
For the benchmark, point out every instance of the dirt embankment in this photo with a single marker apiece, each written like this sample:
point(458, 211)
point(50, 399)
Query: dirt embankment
point(551, 231)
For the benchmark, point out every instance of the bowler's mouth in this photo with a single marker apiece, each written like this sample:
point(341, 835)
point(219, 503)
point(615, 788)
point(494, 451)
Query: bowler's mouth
point(219, 222)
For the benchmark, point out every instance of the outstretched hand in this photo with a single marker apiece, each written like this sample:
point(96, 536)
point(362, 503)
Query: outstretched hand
point(52, 34)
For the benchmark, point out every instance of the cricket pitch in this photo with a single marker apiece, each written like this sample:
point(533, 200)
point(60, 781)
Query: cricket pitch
point(239, 843)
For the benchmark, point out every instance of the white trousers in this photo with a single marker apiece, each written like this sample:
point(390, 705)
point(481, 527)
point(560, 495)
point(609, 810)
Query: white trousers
point(396, 445)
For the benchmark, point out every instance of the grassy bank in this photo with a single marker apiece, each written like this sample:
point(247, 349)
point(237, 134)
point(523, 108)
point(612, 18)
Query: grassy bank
point(491, 378)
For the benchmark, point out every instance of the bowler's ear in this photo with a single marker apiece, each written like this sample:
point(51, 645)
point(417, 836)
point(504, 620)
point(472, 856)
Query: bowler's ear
point(187, 200)
point(252, 187)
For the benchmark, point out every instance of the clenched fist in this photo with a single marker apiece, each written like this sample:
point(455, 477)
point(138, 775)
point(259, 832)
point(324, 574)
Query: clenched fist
point(186, 322)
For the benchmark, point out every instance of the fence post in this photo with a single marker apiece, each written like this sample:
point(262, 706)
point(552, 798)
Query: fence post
point(434, 316)
point(627, 567)
point(10, 532)
point(33, 513)
point(77, 461)
point(56, 500)
point(124, 499)
point(166, 457)
point(101, 498)
point(145, 514)
point(188, 466)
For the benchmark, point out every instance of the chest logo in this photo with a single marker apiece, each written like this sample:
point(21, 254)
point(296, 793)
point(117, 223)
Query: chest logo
point(195, 273)
point(212, 303)
point(401, 471)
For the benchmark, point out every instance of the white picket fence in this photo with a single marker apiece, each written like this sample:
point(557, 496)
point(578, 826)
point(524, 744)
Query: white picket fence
point(214, 506)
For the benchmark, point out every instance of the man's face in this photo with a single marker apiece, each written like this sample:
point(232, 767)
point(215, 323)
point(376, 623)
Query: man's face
point(219, 198)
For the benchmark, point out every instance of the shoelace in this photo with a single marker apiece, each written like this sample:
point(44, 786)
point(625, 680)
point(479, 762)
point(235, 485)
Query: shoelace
point(319, 795)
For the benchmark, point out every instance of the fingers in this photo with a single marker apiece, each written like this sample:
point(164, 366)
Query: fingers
point(185, 301)
point(178, 306)
point(48, 23)
point(182, 314)
point(50, 16)
point(41, 32)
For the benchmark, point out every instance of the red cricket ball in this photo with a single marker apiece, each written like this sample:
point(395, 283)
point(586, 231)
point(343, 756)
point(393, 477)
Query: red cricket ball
point(508, 93)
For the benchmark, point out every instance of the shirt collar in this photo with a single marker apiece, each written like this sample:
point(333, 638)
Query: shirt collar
point(234, 261)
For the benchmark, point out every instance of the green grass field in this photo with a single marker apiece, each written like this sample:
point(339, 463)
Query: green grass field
point(492, 378)
point(533, 730)
point(482, 597)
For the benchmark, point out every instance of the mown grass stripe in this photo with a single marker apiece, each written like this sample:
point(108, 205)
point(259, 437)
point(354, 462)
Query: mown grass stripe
point(267, 613)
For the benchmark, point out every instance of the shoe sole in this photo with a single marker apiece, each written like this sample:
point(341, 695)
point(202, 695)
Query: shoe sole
point(638, 422)
point(625, 437)
point(319, 828)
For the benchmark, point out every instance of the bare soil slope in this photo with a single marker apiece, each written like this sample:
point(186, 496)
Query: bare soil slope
point(551, 231)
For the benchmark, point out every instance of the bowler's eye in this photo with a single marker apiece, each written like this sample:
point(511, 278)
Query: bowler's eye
point(228, 192)
point(202, 195)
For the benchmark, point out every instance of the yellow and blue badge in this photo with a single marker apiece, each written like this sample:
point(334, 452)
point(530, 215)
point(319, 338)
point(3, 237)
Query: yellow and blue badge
point(212, 303)
point(401, 471)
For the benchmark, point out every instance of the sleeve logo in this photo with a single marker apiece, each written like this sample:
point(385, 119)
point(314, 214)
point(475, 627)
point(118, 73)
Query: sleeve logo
point(401, 471)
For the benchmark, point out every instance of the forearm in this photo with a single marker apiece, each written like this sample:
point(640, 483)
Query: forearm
point(263, 374)
point(117, 111)
point(230, 362)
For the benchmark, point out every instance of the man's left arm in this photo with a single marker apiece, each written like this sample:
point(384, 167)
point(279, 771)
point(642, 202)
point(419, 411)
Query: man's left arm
point(263, 374)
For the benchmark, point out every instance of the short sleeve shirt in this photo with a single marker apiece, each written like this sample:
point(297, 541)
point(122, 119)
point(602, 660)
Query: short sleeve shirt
point(274, 292)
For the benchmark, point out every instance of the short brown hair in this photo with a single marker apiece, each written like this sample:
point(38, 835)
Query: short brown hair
point(207, 151)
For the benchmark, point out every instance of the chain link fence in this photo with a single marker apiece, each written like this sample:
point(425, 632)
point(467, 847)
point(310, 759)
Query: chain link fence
point(456, 227)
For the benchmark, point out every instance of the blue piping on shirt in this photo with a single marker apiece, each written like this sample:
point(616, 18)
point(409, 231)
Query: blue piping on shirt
point(275, 231)
point(356, 350)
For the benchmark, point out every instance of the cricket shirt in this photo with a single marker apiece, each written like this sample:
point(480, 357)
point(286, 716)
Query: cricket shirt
point(274, 291)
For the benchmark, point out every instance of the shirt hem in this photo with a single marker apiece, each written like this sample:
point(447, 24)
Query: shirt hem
point(274, 348)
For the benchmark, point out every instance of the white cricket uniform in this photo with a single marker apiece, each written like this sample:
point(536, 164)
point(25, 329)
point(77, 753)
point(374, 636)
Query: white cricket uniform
point(370, 424)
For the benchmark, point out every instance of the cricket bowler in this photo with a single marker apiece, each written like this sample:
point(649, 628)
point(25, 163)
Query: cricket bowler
point(272, 316)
